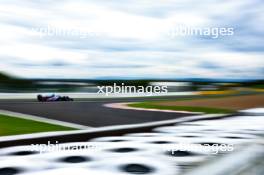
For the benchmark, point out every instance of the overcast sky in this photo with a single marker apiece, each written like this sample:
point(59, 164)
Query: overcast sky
point(131, 39)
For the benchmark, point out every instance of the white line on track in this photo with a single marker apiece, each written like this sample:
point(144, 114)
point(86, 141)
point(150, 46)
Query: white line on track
point(42, 119)
point(110, 128)
point(125, 106)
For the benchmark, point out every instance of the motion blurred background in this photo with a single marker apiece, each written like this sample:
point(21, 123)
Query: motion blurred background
point(48, 44)
point(209, 53)
point(70, 47)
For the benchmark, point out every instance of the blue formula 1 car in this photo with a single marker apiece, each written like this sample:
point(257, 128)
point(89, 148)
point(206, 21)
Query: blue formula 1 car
point(53, 97)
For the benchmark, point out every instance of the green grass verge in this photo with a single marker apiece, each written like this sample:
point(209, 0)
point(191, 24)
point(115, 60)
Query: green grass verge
point(14, 126)
point(150, 105)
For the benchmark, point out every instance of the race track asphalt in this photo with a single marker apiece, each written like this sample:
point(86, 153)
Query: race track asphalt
point(89, 113)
